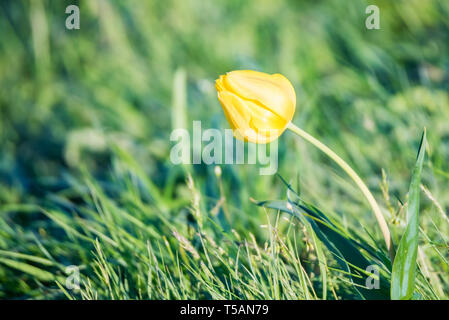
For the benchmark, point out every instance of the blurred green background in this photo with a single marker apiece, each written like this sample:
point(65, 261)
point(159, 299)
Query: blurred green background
point(93, 109)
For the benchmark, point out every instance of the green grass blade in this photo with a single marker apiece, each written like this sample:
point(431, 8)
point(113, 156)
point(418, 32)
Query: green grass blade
point(24, 267)
point(404, 266)
point(26, 257)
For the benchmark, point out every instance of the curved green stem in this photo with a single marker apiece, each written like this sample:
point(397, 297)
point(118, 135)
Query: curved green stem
point(355, 177)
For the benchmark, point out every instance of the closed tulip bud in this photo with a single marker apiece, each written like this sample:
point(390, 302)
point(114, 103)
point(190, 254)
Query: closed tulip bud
point(257, 105)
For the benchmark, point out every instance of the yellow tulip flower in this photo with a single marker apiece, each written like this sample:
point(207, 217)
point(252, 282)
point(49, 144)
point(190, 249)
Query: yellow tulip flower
point(257, 105)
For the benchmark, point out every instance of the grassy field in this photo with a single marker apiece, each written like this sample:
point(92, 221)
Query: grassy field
point(85, 174)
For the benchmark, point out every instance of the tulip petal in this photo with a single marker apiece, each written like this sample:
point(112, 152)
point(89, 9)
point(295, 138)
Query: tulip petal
point(273, 92)
point(248, 123)
point(234, 110)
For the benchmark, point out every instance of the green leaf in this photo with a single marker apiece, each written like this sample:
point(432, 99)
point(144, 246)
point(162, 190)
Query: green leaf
point(404, 266)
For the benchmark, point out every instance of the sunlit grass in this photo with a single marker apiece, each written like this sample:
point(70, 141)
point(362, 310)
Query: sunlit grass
point(85, 120)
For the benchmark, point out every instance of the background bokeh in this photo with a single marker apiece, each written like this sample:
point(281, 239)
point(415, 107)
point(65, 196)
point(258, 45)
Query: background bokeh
point(93, 109)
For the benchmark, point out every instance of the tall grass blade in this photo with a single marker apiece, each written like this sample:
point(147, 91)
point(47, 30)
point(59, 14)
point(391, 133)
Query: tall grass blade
point(404, 266)
point(29, 269)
